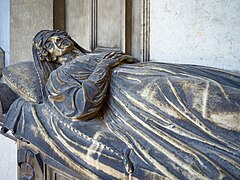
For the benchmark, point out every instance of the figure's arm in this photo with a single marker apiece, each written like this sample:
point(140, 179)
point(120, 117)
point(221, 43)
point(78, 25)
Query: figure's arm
point(81, 99)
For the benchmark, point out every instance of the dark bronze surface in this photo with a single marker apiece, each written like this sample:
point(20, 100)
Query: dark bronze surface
point(105, 116)
point(7, 97)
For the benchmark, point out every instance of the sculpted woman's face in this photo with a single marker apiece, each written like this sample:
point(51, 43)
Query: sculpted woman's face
point(57, 46)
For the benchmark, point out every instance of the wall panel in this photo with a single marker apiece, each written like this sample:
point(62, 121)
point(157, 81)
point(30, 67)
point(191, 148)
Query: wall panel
point(204, 32)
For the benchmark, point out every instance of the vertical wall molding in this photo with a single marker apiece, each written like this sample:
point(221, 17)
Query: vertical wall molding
point(59, 19)
point(125, 18)
point(125, 36)
point(93, 24)
point(128, 26)
point(123, 25)
point(146, 30)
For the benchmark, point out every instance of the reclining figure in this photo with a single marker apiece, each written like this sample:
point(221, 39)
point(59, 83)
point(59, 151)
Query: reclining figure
point(107, 115)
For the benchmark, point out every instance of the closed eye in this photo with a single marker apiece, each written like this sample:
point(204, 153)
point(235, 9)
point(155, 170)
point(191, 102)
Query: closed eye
point(49, 45)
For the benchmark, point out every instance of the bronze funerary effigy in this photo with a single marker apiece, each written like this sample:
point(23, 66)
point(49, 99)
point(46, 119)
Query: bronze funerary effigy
point(105, 115)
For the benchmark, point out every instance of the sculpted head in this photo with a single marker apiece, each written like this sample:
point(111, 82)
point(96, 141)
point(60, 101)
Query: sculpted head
point(51, 49)
point(50, 45)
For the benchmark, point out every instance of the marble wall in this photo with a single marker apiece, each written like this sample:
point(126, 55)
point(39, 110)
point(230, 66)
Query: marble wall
point(26, 19)
point(8, 159)
point(204, 32)
point(78, 21)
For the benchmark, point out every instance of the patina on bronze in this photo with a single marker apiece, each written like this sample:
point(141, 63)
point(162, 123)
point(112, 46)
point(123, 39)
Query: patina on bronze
point(104, 115)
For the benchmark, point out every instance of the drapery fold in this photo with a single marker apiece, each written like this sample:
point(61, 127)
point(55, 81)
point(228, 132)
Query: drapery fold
point(159, 120)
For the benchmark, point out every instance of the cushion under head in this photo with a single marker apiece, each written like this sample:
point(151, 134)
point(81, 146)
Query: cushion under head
point(23, 79)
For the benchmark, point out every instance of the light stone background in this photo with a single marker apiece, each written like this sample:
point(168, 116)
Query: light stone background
point(8, 159)
point(109, 27)
point(109, 23)
point(26, 19)
point(78, 21)
point(204, 32)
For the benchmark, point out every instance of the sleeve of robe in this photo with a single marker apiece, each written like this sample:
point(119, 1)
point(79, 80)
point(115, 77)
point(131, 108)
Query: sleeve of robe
point(77, 89)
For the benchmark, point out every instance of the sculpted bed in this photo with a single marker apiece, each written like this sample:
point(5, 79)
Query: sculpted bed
point(105, 115)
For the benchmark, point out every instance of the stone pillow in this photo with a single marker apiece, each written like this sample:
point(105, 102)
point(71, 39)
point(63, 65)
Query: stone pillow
point(23, 79)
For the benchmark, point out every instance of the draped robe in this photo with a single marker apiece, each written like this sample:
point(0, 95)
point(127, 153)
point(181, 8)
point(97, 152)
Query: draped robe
point(158, 120)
